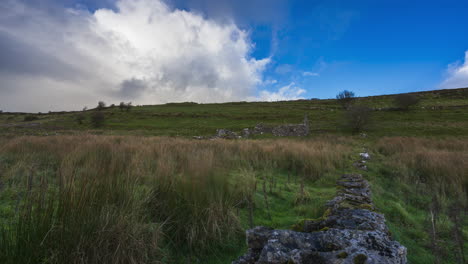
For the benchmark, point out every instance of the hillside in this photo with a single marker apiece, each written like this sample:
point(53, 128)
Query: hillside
point(132, 192)
point(439, 113)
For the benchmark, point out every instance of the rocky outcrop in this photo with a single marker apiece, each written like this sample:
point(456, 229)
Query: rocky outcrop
point(349, 232)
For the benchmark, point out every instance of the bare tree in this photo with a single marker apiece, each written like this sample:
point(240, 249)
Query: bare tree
point(345, 98)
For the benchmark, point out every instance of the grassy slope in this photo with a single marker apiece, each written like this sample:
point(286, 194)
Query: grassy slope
point(443, 112)
point(440, 114)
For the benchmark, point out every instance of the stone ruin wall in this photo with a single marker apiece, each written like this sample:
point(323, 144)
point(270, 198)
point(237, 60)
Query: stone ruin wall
point(350, 232)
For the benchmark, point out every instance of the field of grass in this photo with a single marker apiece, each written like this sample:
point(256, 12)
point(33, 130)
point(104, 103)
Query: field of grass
point(104, 199)
point(133, 192)
point(439, 113)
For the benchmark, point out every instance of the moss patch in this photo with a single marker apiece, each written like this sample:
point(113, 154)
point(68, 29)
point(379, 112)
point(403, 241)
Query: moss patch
point(360, 259)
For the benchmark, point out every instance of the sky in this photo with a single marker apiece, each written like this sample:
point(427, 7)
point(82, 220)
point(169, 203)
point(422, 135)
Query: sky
point(67, 54)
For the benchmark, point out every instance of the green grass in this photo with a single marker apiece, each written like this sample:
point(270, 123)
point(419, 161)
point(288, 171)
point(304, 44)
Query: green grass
point(439, 113)
point(165, 199)
point(102, 199)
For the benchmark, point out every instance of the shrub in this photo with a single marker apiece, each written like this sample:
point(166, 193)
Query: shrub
point(125, 106)
point(357, 118)
point(128, 106)
point(122, 106)
point(101, 105)
point(28, 118)
point(404, 101)
point(345, 98)
point(80, 118)
point(97, 119)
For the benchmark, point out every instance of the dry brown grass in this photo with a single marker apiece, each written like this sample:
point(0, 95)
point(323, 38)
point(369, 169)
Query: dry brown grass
point(113, 199)
point(442, 164)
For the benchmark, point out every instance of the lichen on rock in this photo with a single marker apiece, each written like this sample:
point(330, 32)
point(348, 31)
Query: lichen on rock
point(349, 232)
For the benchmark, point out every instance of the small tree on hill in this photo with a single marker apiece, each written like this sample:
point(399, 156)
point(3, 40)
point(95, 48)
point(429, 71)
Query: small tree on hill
point(122, 106)
point(97, 119)
point(128, 106)
point(101, 105)
point(357, 118)
point(404, 101)
point(345, 98)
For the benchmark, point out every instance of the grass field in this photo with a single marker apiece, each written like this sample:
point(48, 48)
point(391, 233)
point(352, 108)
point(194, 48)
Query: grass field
point(132, 192)
point(439, 113)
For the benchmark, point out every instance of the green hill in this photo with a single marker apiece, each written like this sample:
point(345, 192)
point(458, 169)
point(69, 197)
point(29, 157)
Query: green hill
point(439, 113)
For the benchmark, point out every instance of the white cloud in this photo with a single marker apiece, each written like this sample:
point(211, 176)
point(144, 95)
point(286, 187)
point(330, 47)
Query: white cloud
point(270, 82)
point(288, 92)
point(457, 75)
point(307, 73)
point(143, 52)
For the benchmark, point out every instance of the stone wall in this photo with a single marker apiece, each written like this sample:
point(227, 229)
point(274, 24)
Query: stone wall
point(350, 232)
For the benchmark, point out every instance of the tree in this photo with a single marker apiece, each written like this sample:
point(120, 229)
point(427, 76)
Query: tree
point(129, 105)
point(97, 119)
point(122, 106)
point(357, 118)
point(101, 105)
point(345, 98)
point(404, 101)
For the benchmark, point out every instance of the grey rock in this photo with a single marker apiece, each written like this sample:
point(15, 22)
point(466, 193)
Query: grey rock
point(227, 134)
point(365, 155)
point(351, 232)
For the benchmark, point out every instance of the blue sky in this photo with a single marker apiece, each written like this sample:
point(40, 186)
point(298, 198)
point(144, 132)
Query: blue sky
point(370, 47)
point(158, 51)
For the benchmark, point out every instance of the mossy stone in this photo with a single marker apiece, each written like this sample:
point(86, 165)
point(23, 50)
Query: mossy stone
point(360, 259)
point(342, 255)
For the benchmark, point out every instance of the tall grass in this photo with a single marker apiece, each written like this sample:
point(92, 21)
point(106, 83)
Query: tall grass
point(441, 165)
point(433, 179)
point(104, 199)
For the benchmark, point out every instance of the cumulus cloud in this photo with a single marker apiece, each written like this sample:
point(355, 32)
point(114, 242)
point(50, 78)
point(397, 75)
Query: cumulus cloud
point(457, 75)
point(140, 50)
point(288, 92)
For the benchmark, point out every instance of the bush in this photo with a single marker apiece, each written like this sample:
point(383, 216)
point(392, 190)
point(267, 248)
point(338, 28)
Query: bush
point(126, 106)
point(30, 118)
point(345, 98)
point(97, 119)
point(404, 101)
point(357, 118)
point(122, 106)
point(80, 118)
point(129, 105)
point(101, 105)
